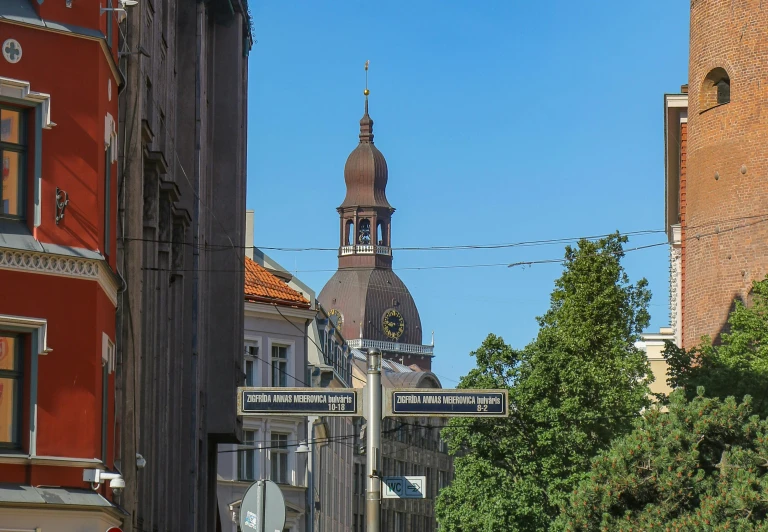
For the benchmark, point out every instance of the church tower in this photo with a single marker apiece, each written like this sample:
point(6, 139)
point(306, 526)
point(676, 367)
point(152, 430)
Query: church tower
point(372, 306)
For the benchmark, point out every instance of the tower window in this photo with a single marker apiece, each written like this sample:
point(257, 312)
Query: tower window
point(364, 236)
point(715, 90)
point(723, 91)
point(380, 233)
point(349, 232)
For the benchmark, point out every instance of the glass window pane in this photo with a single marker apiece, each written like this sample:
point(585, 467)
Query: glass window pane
point(11, 201)
point(9, 411)
point(10, 126)
point(9, 360)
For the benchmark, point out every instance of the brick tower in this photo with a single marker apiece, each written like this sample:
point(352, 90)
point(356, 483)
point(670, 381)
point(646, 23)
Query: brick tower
point(725, 227)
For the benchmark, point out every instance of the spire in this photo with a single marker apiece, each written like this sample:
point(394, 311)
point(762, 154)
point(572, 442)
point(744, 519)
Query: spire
point(366, 123)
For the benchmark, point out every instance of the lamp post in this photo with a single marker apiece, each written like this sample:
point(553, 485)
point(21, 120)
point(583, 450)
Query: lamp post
point(308, 447)
point(373, 443)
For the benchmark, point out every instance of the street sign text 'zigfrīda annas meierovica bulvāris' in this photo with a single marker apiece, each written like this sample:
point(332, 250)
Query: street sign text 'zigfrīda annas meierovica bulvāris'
point(446, 403)
point(298, 401)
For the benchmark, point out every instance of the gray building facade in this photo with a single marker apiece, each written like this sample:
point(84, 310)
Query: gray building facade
point(181, 207)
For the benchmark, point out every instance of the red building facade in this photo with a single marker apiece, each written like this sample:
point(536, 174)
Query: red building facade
point(59, 87)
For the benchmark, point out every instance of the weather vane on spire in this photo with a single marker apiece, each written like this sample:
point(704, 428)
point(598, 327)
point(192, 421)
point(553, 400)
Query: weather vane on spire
point(366, 91)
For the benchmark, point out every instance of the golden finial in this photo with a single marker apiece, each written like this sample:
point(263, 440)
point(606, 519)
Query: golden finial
point(366, 91)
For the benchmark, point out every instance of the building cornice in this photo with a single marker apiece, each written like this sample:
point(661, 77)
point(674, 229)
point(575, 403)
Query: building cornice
point(77, 32)
point(61, 266)
point(270, 309)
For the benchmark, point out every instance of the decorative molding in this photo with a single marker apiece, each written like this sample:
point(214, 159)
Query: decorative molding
point(365, 249)
point(675, 291)
point(48, 264)
point(14, 88)
point(413, 349)
point(38, 325)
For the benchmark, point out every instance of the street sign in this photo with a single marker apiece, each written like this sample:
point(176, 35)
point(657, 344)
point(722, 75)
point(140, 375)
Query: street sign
point(297, 401)
point(426, 402)
point(262, 508)
point(405, 487)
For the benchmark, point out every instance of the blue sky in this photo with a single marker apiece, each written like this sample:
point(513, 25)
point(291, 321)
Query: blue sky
point(500, 121)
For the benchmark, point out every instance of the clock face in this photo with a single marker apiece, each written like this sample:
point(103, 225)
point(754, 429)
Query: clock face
point(393, 324)
point(339, 317)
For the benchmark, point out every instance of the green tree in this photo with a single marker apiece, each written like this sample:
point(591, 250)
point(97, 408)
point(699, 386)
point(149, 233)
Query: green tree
point(735, 366)
point(577, 385)
point(701, 466)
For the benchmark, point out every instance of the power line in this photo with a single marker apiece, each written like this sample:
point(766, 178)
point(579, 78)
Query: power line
point(457, 247)
point(698, 236)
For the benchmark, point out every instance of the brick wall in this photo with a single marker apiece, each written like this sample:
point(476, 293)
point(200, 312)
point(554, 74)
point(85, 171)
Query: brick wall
point(726, 193)
point(683, 219)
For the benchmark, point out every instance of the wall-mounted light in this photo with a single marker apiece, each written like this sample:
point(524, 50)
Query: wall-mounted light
point(62, 200)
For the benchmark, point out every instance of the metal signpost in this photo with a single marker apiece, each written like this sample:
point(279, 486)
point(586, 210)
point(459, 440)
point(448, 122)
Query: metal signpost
point(414, 402)
point(261, 495)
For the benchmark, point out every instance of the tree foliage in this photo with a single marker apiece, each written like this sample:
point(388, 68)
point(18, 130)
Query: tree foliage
point(735, 366)
point(700, 466)
point(577, 385)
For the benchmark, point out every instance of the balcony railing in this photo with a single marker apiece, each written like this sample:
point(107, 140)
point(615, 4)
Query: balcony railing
point(366, 249)
point(393, 347)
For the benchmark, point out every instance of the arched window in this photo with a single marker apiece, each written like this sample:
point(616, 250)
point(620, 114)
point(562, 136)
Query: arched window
point(349, 231)
point(380, 233)
point(715, 89)
point(364, 236)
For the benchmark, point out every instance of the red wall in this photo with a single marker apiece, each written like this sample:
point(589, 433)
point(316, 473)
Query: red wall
point(76, 73)
point(69, 378)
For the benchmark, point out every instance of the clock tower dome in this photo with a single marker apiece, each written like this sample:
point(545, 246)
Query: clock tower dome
point(372, 306)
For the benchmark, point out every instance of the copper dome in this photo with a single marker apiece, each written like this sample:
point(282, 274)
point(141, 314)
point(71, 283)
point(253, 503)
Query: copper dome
point(366, 171)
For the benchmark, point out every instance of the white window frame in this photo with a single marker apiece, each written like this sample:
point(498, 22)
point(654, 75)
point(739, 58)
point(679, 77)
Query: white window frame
point(275, 454)
point(290, 357)
point(283, 426)
point(256, 360)
point(37, 329)
point(241, 453)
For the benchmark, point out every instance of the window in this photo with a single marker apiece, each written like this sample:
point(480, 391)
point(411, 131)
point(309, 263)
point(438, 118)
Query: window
point(442, 480)
point(279, 365)
point(11, 375)
point(251, 364)
point(364, 236)
point(107, 366)
point(349, 233)
point(13, 148)
point(246, 457)
point(715, 89)
point(279, 458)
point(356, 489)
point(723, 91)
point(107, 196)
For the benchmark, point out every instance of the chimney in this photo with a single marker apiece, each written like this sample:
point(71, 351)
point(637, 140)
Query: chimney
point(684, 89)
point(249, 234)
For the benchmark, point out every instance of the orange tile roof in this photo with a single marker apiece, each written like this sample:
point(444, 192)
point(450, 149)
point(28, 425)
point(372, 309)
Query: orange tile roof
point(262, 286)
